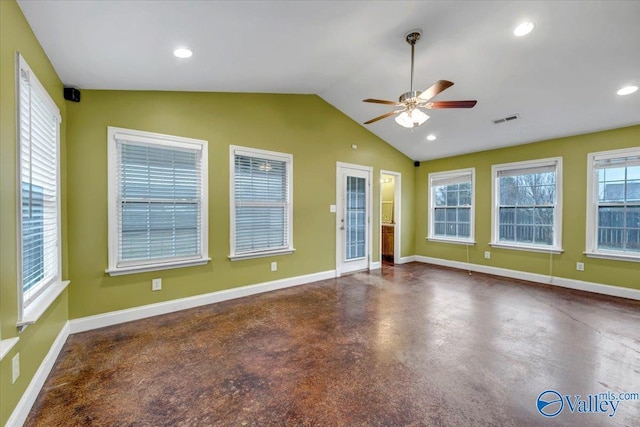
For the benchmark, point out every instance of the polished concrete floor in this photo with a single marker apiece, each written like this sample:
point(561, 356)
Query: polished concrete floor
point(411, 345)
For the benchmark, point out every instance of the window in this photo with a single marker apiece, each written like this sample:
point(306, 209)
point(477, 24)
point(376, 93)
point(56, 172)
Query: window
point(451, 196)
point(261, 203)
point(613, 204)
point(527, 205)
point(157, 201)
point(39, 195)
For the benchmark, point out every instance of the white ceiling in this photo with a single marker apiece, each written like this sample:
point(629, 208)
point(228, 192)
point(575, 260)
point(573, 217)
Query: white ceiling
point(562, 78)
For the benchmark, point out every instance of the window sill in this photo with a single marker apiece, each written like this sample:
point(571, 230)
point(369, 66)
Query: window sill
point(155, 267)
point(612, 256)
point(36, 309)
point(528, 248)
point(261, 254)
point(454, 241)
point(6, 345)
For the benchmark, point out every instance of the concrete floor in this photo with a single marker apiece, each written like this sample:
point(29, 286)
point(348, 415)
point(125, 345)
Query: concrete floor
point(411, 345)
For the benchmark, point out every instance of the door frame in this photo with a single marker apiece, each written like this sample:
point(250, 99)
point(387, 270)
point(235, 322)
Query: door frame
point(397, 215)
point(369, 170)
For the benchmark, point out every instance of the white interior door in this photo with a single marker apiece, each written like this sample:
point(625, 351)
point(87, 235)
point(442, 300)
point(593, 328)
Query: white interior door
point(353, 219)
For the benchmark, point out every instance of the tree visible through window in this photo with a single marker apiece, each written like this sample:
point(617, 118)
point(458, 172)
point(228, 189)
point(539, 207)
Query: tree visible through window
point(527, 204)
point(527, 201)
point(451, 202)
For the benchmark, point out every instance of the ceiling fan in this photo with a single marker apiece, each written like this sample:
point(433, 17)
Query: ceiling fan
point(412, 102)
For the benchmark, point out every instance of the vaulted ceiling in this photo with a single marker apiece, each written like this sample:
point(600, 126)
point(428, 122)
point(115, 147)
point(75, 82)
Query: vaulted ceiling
point(561, 79)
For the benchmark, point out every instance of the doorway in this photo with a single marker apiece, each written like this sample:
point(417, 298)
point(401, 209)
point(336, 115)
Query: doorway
point(353, 217)
point(390, 203)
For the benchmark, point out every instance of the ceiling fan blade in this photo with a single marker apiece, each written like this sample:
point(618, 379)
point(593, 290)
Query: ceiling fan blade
point(450, 104)
point(437, 87)
point(381, 101)
point(384, 116)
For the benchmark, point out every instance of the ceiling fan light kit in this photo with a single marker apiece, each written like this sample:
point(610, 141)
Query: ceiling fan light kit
point(413, 118)
point(411, 115)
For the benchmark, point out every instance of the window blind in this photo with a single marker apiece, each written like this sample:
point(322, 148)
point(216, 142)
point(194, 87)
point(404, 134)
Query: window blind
point(451, 179)
point(543, 168)
point(39, 194)
point(261, 193)
point(619, 162)
point(159, 198)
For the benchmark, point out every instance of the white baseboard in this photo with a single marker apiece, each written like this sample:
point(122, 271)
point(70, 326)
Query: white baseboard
point(405, 259)
point(21, 411)
point(136, 313)
point(375, 265)
point(599, 288)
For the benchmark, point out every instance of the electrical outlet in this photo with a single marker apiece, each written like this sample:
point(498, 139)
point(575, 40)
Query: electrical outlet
point(580, 266)
point(156, 284)
point(15, 368)
point(274, 266)
point(487, 255)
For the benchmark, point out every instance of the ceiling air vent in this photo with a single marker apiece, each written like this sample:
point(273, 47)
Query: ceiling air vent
point(506, 119)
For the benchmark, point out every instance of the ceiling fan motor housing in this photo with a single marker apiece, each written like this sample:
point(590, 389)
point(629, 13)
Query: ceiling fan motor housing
point(410, 95)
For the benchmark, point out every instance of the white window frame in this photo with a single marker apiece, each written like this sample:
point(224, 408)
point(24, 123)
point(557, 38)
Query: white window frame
point(431, 206)
point(591, 249)
point(161, 140)
point(267, 155)
point(30, 311)
point(556, 248)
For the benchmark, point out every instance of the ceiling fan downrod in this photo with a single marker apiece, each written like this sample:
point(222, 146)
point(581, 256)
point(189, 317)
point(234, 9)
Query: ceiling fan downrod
point(411, 103)
point(412, 38)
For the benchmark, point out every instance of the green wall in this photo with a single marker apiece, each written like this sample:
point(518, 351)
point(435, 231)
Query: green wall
point(388, 190)
point(35, 341)
point(304, 125)
point(313, 131)
point(574, 151)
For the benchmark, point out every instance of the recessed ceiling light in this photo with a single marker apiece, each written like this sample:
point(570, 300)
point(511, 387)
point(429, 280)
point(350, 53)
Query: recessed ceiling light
point(182, 53)
point(627, 90)
point(431, 137)
point(523, 29)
